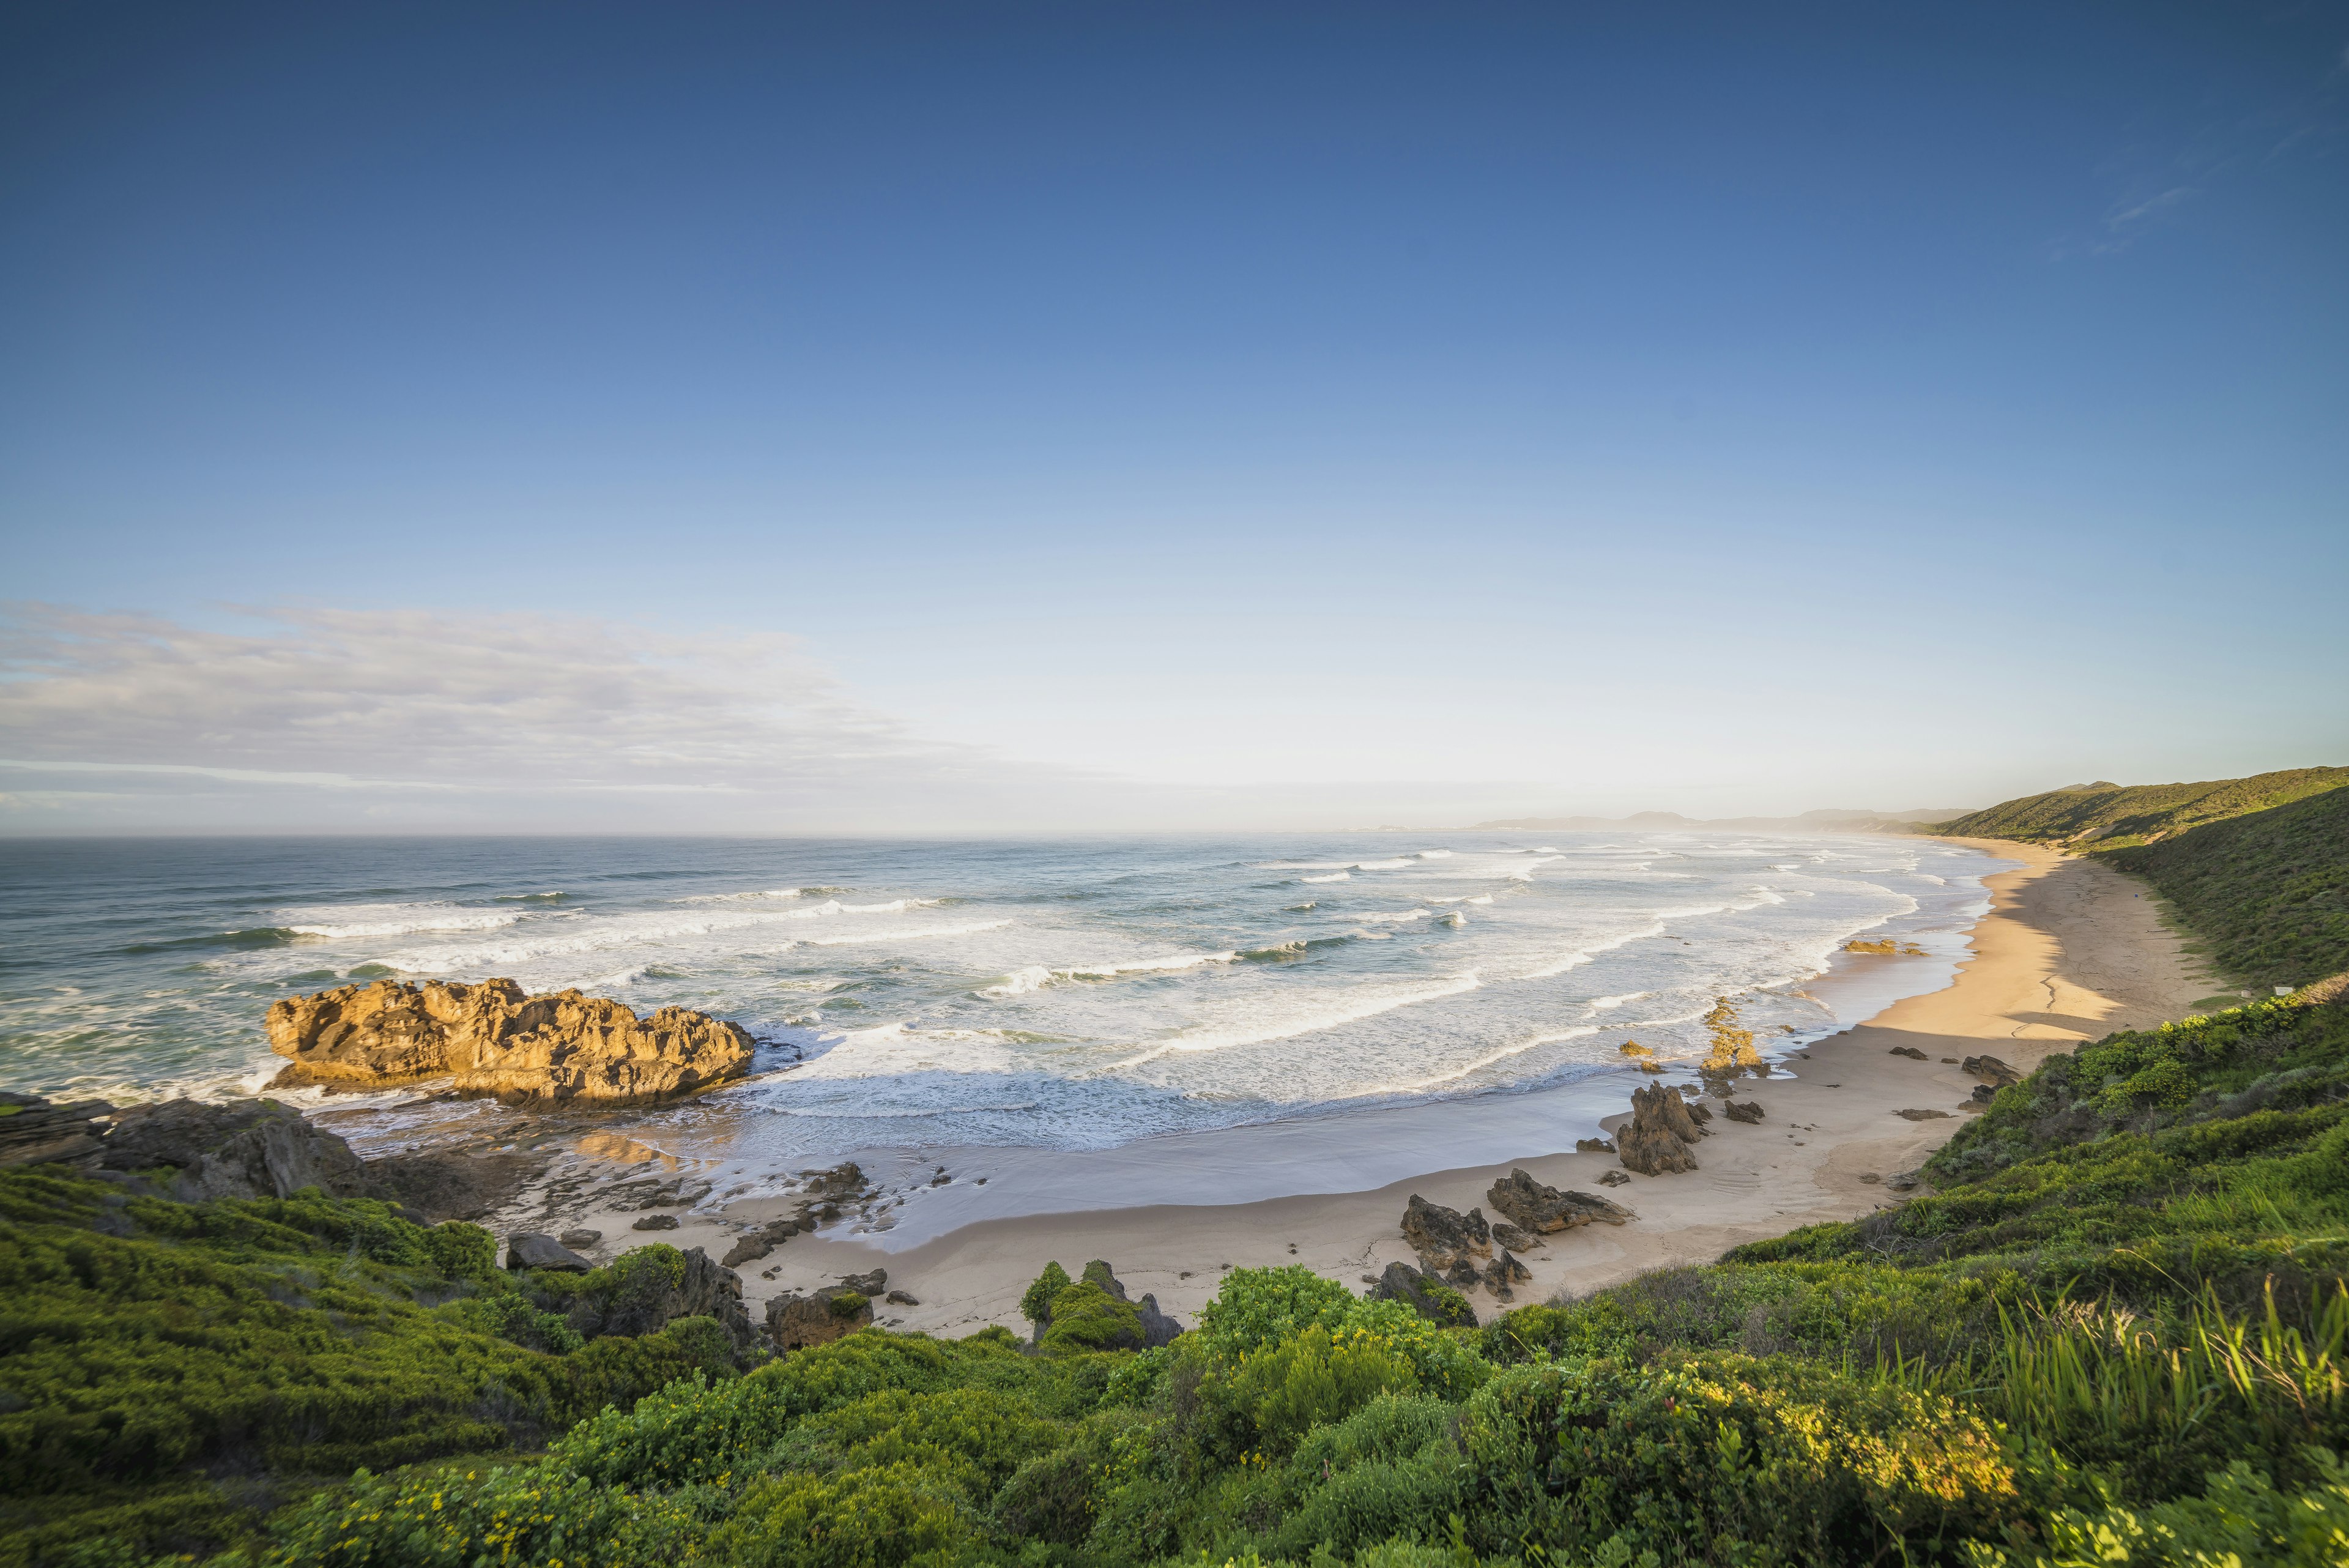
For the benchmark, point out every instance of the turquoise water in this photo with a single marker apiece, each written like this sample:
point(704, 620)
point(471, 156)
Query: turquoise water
point(1072, 995)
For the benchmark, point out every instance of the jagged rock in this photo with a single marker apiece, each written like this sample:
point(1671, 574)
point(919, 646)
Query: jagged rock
point(242, 1148)
point(1504, 1271)
point(704, 1289)
point(842, 1180)
point(580, 1237)
point(1698, 1113)
point(870, 1284)
point(1983, 1093)
point(1915, 1114)
point(1418, 1290)
point(748, 1249)
point(496, 1040)
point(1905, 1180)
point(654, 1222)
point(1614, 1179)
point(1660, 1137)
point(903, 1298)
point(1442, 1236)
point(1750, 1111)
point(1546, 1209)
point(34, 1131)
point(1593, 1145)
point(1462, 1275)
point(1909, 1051)
point(535, 1250)
point(1991, 1070)
point(1507, 1235)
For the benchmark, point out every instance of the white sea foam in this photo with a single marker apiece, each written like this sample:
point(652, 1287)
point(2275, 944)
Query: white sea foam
point(1035, 977)
point(1308, 1014)
point(906, 936)
point(341, 922)
point(1335, 876)
point(1384, 917)
point(1526, 873)
point(1555, 1038)
point(1589, 950)
point(1435, 854)
point(1605, 1003)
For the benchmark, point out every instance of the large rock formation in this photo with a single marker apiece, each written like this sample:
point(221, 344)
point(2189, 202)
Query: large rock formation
point(1446, 1238)
point(1661, 1136)
point(497, 1041)
point(537, 1250)
point(1109, 1319)
point(244, 1148)
point(1543, 1209)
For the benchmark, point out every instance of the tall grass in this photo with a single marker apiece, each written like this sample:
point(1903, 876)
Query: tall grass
point(2093, 1377)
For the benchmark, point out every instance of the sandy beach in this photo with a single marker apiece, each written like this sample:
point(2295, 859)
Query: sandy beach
point(2069, 951)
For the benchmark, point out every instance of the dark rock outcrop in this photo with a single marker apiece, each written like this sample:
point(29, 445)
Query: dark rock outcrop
point(1425, 1294)
point(536, 1250)
point(581, 1238)
point(34, 1131)
point(242, 1148)
point(646, 1302)
point(1910, 1052)
point(758, 1243)
point(902, 1298)
point(654, 1222)
point(1749, 1112)
point(1594, 1146)
point(496, 1040)
point(1545, 1210)
point(1614, 1179)
point(1916, 1114)
point(1661, 1136)
point(1444, 1237)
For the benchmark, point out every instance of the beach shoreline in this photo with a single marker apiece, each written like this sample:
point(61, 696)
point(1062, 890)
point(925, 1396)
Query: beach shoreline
point(2068, 952)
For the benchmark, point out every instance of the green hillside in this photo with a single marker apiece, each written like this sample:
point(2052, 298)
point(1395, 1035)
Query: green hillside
point(2258, 867)
point(2113, 815)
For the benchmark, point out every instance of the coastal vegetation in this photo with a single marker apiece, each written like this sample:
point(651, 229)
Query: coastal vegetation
point(2115, 1330)
point(2257, 868)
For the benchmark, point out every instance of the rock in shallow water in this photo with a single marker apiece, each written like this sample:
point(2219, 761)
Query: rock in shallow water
point(496, 1040)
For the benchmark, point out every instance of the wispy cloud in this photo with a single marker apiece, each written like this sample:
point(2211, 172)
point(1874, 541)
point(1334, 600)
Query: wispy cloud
point(395, 703)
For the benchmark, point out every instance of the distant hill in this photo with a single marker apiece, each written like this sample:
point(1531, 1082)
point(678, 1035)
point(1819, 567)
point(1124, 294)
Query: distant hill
point(2259, 867)
point(2111, 816)
point(1830, 821)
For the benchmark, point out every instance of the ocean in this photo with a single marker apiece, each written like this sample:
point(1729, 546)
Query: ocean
point(1077, 994)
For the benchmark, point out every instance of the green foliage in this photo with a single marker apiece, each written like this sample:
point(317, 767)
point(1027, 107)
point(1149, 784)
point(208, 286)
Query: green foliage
point(1087, 1317)
point(1036, 1306)
point(145, 1343)
point(2241, 1519)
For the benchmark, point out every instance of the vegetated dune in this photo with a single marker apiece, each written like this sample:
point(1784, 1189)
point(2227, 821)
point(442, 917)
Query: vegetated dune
point(2110, 815)
point(2258, 867)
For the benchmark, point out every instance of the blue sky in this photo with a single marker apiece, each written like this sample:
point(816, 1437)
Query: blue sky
point(1150, 415)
